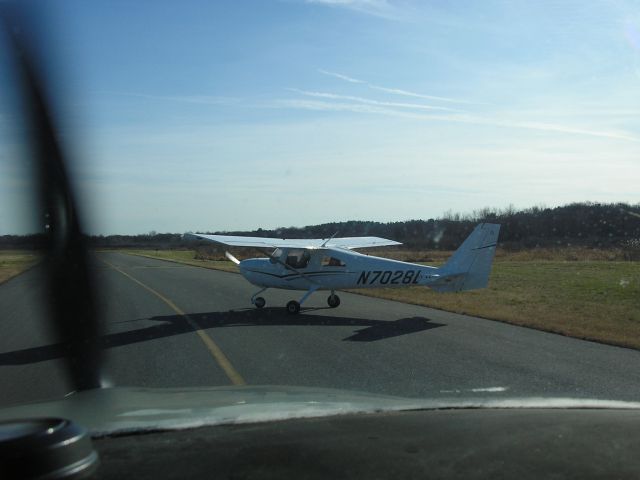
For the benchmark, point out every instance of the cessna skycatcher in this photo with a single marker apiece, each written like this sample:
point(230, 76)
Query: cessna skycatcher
point(332, 264)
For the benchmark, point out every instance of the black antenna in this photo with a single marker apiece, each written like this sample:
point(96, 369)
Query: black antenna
point(70, 285)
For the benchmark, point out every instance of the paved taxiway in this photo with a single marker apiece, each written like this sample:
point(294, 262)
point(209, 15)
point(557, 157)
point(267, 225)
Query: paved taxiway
point(171, 325)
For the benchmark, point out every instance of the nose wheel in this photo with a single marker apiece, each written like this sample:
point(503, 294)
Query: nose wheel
point(259, 302)
point(293, 307)
point(333, 300)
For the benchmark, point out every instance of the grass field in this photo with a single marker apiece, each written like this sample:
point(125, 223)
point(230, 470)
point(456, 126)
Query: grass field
point(595, 298)
point(13, 262)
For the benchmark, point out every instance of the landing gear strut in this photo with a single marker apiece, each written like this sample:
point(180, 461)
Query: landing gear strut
point(259, 302)
point(293, 307)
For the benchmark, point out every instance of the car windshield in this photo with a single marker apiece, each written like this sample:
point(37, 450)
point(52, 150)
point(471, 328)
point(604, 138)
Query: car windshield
point(497, 142)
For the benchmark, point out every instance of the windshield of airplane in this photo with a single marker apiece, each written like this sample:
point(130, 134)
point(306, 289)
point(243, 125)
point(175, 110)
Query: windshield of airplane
point(298, 258)
point(512, 124)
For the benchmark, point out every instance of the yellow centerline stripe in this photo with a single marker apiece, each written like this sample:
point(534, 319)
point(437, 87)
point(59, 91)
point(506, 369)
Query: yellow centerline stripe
point(213, 348)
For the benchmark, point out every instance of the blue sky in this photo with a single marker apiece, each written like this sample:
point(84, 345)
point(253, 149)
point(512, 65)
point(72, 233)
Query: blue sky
point(227, 115)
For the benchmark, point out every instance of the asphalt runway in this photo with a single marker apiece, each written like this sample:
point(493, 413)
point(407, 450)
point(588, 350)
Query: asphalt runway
point(171, 325)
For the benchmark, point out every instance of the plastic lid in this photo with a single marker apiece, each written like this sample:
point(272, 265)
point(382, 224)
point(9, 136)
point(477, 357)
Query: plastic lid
point(45, 448)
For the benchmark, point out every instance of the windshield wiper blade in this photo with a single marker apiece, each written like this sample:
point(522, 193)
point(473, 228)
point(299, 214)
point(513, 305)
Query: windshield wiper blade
point(69, 280)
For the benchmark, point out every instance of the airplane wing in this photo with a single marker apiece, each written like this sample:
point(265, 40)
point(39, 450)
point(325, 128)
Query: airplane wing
point(360, 242)
point(265, 242)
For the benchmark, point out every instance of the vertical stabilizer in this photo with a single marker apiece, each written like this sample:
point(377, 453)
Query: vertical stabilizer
point(470, 265)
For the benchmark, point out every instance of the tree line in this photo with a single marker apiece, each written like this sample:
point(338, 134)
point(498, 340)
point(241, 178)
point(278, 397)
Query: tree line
point(596, 225)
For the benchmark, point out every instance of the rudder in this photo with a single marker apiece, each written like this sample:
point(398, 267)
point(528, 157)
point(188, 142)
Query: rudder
point(472, 262)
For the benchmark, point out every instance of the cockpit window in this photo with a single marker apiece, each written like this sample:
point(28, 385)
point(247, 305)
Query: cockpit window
point(298, 258)
point(332, 262)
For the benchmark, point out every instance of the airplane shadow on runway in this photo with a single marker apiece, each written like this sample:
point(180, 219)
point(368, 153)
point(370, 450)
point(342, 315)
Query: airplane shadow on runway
point(170, 325)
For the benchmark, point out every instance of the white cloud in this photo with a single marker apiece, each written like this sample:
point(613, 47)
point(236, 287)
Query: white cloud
point(381, 109)
point(377, 8)
point(333, 96)
point(340, 76)
point(319, 105)
point(406, 93)
point(394, 91)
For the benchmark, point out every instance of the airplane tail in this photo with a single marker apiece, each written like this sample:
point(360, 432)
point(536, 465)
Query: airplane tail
point(470, 265)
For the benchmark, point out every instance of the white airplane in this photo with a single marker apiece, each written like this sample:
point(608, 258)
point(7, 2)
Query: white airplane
point(332, 264)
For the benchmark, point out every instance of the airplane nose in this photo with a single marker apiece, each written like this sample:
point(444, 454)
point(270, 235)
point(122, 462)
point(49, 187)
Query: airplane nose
point(246, 267)
point(242, 266)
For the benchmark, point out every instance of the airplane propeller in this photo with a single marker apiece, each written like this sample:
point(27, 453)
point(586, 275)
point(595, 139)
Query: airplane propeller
point(232, 258)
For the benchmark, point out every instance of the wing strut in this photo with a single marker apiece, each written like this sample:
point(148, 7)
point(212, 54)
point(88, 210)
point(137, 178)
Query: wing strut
point(328, 240)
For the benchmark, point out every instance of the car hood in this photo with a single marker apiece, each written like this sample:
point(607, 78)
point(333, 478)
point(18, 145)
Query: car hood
point(116, 410)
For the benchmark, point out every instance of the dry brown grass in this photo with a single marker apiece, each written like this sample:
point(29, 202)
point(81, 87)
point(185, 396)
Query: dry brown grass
point(594, 300)
point(14, 262)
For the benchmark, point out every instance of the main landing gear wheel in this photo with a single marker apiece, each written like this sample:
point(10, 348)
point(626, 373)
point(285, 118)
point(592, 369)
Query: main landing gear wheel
point(259, 302)
point(293, 307)
point(333, 300)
